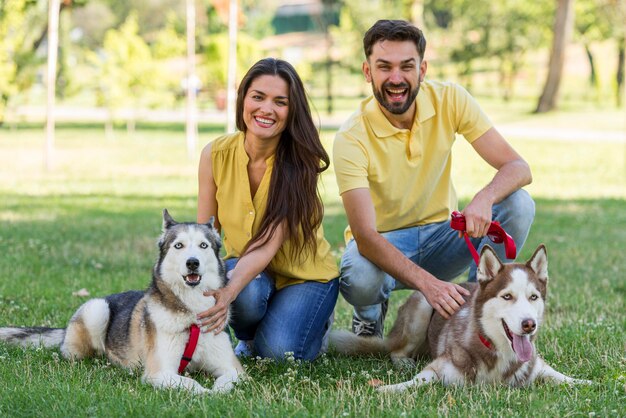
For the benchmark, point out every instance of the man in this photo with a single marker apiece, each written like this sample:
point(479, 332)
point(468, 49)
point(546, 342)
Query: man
point(393, 160)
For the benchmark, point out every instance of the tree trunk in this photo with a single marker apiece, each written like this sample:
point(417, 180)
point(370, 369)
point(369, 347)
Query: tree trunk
point(4, 102)
point(593, 76)
point(563, 27)
point(619, 75)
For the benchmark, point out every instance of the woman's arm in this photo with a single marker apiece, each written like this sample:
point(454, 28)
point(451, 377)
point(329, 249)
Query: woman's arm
point(253, 262)
point(207, 202)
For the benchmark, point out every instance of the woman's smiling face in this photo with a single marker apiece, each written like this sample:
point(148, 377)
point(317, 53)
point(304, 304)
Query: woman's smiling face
point(266, 107)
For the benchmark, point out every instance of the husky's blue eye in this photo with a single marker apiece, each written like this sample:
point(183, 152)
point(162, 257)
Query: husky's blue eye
point(534, 297)
point(178, 245)
point(507, 296)
point(204, 245)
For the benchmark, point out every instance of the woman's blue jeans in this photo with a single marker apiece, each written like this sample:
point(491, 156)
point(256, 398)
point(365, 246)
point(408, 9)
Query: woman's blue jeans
point(435, 248)
point(293, 319)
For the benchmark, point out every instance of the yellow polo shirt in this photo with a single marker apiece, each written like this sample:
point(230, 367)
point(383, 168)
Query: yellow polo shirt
point(407, 171)
point(240, 216)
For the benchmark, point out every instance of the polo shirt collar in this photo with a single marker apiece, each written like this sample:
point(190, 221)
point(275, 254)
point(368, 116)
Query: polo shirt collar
point(380, 124)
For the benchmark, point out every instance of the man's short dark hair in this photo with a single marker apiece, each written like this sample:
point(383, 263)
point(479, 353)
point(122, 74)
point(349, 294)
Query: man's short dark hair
point(393, 30)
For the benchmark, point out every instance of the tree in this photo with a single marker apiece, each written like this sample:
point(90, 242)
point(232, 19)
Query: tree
point(563, 27)
point(126, 70)
point(23, 26)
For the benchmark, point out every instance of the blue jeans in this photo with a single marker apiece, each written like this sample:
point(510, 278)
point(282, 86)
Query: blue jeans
point(434, 247)
point(293, 319)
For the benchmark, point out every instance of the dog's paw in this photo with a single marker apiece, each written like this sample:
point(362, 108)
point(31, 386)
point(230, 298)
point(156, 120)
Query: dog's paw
point(400, 387)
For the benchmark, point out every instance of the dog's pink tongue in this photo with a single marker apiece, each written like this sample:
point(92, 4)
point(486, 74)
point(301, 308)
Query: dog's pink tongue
point(522, 347)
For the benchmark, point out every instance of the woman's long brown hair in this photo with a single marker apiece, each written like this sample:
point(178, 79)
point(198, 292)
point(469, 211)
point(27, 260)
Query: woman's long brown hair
point(299, 160)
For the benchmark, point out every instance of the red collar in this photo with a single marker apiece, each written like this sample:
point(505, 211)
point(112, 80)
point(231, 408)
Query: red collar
point(194, 333)
point(485, 341)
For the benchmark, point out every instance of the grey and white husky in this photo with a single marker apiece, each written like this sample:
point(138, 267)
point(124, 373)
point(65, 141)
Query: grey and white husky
point(150, 328)
point(491, 339)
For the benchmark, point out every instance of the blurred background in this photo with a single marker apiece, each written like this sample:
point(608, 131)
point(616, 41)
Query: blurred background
point(121, 62)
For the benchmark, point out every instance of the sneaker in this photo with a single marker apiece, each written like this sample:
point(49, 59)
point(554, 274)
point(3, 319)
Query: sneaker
point(371, 329)
point(245, 348)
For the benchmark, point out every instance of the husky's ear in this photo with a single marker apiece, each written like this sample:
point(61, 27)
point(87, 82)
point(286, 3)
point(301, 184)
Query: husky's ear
point(539, 263)
point(488, 266)
point(168, 221)
point(211, 222)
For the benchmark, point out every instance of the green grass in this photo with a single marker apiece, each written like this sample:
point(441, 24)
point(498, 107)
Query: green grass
point(93, 221)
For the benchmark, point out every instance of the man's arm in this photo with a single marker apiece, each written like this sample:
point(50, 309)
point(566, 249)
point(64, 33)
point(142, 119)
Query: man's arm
point(445, 297)
point(513, 173)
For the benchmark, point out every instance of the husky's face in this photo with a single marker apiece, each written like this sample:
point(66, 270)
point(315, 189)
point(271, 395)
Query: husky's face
point(510, 301)
point(189, 254)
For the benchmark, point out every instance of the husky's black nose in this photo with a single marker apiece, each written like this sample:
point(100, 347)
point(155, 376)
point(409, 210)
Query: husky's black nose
point(193, 263)
point(528, 325)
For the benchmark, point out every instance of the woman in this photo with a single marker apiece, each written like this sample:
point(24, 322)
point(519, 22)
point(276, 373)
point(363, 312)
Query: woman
point(261, 186)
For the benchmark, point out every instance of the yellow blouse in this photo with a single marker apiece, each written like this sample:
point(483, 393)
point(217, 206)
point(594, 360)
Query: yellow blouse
point(240, 215)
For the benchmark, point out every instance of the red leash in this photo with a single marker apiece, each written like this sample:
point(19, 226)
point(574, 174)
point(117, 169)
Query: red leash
point(495, 234)
point(194, 334)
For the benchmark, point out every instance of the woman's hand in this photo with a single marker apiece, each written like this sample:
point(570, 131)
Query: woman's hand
point(215, 319)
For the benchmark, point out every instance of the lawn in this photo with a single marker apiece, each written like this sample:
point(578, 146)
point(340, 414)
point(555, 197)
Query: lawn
point(92, 223)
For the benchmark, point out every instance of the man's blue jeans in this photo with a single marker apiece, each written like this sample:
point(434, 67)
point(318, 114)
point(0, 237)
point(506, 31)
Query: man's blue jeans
point(436, 248)
point(293, 319)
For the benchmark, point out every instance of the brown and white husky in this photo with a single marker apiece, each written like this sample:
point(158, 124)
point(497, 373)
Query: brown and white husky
point(491, 339)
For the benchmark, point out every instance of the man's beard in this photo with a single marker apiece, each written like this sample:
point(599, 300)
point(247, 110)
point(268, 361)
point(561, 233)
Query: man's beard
point(397, 108)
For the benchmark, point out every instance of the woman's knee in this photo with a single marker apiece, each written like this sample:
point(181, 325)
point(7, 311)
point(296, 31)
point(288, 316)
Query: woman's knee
point(251, 304)
point(285, 346)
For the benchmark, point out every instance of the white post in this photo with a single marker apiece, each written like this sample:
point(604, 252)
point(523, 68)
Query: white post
point(231, 91)
point(192, 81)
point(54, 8)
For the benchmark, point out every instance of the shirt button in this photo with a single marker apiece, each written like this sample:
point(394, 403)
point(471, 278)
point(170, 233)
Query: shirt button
point(251, 213)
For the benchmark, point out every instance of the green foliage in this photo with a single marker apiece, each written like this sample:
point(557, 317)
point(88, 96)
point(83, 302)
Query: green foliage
point(21, 25)
point(214, 68)
point(169, 43)
point(128, 76)
point(355, 18)
point(471, 30)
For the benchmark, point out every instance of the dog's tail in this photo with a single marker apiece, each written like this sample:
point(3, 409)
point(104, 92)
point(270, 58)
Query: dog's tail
point(345, 342)
point(33, 336)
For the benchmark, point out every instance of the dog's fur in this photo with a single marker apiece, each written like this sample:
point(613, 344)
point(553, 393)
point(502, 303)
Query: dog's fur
point(151, 328)
point(505, 308)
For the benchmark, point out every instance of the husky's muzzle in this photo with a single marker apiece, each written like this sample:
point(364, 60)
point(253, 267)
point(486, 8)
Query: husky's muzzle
point(192, 278)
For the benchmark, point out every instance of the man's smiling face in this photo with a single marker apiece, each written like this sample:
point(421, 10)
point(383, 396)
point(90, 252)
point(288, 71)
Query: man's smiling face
point(395, 70)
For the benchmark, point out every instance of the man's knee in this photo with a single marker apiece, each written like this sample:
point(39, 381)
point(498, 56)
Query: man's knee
point(522, 203)
point(518, 208)
point(361, 280)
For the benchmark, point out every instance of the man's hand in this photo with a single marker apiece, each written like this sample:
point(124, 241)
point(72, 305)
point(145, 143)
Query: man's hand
point(478, 216)
point(214, 319)
point(446, 298)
